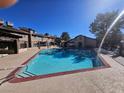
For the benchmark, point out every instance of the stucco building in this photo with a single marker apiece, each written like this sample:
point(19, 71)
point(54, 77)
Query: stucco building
point(81, 41)
point(13, 40)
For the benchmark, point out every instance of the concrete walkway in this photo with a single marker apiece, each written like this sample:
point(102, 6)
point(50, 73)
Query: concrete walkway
point(119, 60)
point(108, 80)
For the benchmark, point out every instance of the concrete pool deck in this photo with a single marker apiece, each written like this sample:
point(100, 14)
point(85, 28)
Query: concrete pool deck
point(108, 80)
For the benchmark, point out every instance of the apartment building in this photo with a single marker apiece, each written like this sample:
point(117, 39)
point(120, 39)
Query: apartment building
point(16, 40)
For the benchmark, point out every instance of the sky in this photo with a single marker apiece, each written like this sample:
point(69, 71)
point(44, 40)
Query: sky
point(57, 16)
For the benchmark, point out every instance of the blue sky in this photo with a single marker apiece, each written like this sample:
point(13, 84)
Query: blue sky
point(57, 16)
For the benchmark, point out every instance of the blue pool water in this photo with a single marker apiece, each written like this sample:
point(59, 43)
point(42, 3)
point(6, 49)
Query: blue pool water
point(59, 60)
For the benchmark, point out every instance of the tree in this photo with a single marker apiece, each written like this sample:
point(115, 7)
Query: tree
point(46, 34)
point(65, 36)
point(58, 41)
point(100, 25)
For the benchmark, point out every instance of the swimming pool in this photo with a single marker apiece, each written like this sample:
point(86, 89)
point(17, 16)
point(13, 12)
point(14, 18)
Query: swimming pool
point(50, 62)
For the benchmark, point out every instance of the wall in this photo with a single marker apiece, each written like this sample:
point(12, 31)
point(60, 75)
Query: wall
point(82, 42)
point(90, 43)
point(79, 42)
point(76, 42)
point(35, 40)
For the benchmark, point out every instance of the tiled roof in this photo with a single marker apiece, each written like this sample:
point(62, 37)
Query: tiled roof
point(39, 35)
point(80, 36)
point(13, 30)
point(84, 36)
point(5, 34)
point(21, 31)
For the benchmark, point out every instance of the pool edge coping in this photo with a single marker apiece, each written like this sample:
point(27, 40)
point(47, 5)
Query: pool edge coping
point(18, 80)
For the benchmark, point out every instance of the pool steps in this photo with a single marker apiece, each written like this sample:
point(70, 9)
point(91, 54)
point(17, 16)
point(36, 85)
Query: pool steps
point(25, 74)
point(19, 76)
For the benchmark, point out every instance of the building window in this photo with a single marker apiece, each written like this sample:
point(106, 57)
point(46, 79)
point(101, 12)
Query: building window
point(23, 45)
